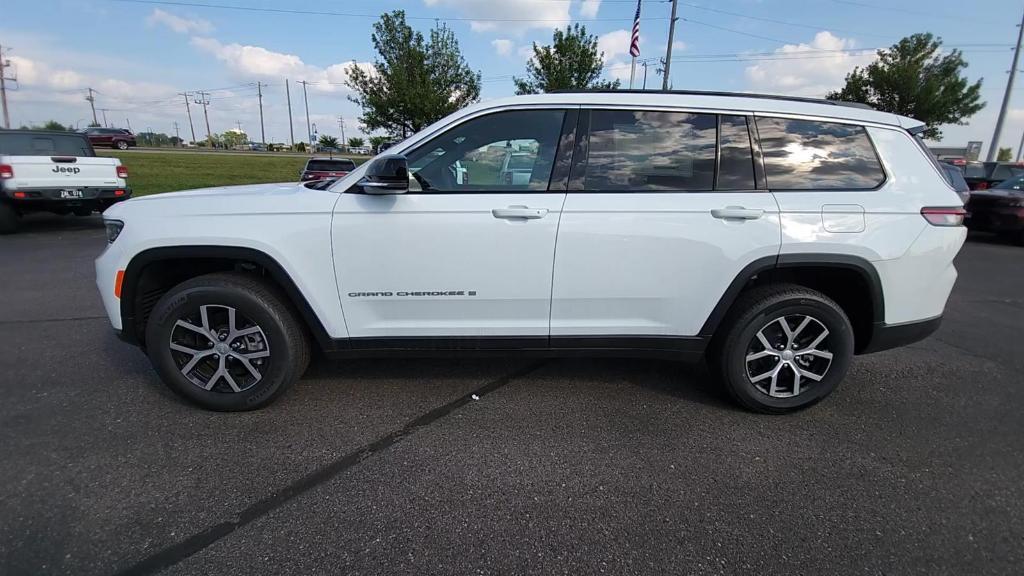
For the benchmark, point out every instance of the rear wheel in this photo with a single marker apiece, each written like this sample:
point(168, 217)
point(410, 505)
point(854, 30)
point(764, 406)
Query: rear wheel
point(121, 145)
point(226, 341)
point(785, 347)
point(9, 219)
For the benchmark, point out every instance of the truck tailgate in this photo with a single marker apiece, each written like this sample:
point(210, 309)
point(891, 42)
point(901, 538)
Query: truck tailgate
point(56, 171)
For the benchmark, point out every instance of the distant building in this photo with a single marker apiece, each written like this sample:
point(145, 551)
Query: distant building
point(970, 152)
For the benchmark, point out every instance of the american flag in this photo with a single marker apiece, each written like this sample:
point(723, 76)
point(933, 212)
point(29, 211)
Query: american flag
point(634, 41)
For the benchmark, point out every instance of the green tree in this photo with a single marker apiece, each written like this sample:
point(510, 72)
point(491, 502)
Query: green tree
point(376, 141)
point(233, 138)
point(326, 141)
point(413, 82)
point(54, 125)
point(1004, 155)
point(571, 62)
point(356, 142)
point(914, 78)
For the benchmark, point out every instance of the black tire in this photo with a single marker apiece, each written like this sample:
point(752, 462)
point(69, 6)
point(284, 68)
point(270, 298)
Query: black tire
point(9, 219)
point(252, 298)
point(760, 308)
point(121, 144)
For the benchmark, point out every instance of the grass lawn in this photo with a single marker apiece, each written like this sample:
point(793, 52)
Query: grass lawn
point(152, 173)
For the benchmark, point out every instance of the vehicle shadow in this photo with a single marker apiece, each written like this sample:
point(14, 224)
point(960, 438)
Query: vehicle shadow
point(46, 222)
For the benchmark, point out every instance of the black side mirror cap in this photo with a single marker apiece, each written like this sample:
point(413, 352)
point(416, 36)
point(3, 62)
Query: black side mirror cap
point(386, 175)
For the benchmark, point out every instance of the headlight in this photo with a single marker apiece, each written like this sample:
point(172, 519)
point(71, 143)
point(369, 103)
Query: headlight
point(114, 228)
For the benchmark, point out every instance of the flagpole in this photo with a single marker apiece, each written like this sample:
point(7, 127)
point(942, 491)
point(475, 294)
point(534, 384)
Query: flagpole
point(632, 73)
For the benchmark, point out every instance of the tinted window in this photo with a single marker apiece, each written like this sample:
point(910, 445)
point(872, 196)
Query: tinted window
point(478, 155)
point(1011, 184)
point(650, 151)
point(331, 165)
point(20, 144)
point(736, 161)
point(1004, 171)
point(811, 155)
point(974, 170)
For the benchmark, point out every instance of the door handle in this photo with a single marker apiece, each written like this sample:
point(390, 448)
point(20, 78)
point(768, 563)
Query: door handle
point(737, 213)
point(519, 212)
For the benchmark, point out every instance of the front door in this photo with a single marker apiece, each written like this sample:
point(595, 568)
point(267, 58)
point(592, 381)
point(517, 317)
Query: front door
point(468, 251)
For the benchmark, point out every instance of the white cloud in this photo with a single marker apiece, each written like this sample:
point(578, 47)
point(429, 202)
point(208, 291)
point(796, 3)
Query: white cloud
point(679, 45)
point(614, 43)
point(502, 46)
point(179, 24)
point(525, 51)
point(249, 62)
point(826, 61)
point(514, 17)
point(589, 8)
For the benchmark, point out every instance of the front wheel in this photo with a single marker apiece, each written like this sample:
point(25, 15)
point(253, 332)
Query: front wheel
point(226, 341)
point(785, 347)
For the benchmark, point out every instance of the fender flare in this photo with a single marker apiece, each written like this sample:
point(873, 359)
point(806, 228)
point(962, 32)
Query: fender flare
point(770, 264)
point(138, 263)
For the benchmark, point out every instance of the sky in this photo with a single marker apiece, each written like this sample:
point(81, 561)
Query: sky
point(140, 55)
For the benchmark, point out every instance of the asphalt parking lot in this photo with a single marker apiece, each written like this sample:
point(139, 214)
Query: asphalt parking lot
point(914, 466)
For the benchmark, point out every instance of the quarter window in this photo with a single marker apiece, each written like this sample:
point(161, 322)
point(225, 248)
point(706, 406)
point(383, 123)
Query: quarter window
point(637, 151)
point(736, 161)
point(506, 151)
point(812, 155)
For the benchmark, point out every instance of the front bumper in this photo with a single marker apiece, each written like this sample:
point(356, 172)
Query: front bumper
point(888, 336)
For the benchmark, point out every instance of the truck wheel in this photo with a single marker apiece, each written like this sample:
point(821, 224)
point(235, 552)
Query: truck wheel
point(121, 144)
point(784, 348)
point(226, 341)
point(9, 219)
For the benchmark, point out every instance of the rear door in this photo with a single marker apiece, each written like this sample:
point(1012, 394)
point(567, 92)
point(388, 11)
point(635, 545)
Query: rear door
point(465, 254)
point(664, 210)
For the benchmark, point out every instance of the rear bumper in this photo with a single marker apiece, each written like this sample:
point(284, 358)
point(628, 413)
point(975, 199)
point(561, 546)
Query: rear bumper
point(49, 199)
point(888, 336)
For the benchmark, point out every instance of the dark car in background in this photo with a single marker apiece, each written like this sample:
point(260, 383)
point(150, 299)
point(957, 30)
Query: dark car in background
point(984, 175)
point(110, 137)
point(320, 168)
point(999, 209)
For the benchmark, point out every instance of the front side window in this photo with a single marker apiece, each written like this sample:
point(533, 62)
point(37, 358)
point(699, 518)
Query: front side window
point(505, 151)
point(813, 155)
point(637, 151)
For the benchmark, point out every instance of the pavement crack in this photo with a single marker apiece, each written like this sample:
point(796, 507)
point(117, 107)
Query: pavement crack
point(175, 553)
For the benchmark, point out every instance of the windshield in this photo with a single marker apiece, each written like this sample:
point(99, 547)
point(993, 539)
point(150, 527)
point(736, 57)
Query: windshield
point(28, 144)
point(331, 165)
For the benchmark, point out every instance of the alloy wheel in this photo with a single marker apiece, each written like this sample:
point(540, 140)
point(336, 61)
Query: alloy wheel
point(220, 350)
point(788, 355)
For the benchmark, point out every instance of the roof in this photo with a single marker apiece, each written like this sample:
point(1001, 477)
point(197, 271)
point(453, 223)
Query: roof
point(741, 102)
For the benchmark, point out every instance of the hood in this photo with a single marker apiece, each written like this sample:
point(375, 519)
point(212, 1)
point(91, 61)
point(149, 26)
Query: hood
point(227, 200)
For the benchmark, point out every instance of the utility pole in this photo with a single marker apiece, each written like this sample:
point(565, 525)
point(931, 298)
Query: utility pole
point(993, 147)
point(291, 125)
point(668, 49)
point(238, 123)
point(4, 63)
point(189, 112)
point(341, 124)
point(203, 98)
point(263, 134)
point(104, 112)
point(128, 122)
point(92, 102)
point(309, 129)
point(177, 134)
point(645, 74)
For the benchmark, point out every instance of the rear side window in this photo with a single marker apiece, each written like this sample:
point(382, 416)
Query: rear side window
point(28, 144)
point(331, 165)
point(638, 151)
point(812, 155)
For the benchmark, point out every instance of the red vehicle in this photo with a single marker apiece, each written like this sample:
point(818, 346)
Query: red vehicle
point(113, 137)
point(320, 168)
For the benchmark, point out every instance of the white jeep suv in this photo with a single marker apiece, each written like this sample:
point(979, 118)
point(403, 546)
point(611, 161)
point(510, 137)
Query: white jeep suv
point(777, 237)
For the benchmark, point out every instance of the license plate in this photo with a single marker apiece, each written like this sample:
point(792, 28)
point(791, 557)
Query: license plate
point(68, 193)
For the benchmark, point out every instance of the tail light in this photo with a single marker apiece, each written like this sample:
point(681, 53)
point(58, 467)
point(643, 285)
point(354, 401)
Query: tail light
point(981, 186)
point(941, 216)
point(6, 171)
point(122, 171)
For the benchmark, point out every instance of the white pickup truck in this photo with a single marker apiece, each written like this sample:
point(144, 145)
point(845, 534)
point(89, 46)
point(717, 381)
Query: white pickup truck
point(55, 172)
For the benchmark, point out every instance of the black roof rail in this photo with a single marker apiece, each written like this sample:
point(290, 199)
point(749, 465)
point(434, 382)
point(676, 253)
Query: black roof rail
point(722, 93)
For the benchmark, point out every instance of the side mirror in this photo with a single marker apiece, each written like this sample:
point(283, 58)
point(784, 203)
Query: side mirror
point(386, 175)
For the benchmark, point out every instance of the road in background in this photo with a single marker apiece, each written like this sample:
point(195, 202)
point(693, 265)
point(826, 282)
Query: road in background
point(913, 465)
